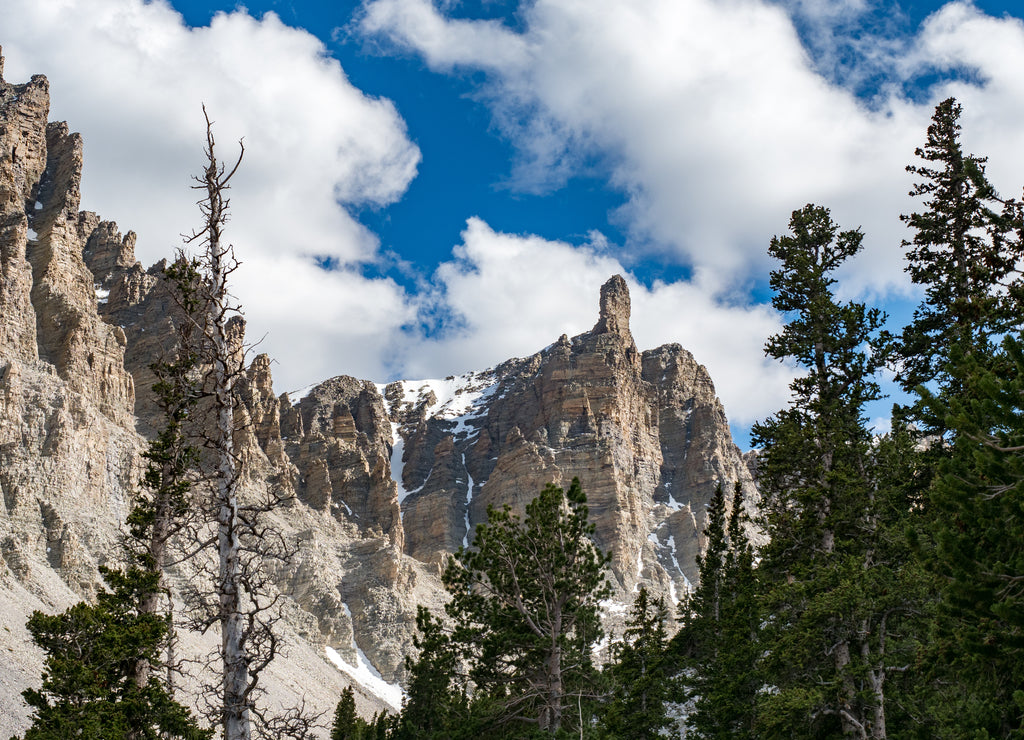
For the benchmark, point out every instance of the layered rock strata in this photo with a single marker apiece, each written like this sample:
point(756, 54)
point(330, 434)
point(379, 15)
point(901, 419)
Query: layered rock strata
point(381, 483)
point(80, 323)
point(644, 432)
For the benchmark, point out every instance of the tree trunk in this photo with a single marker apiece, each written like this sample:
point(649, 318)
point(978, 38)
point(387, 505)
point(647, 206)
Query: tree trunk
point(232, 622)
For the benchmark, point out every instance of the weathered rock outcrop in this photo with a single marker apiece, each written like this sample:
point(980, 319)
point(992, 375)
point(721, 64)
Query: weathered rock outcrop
point(380, 483)
point(68, 455)
point(644, 433)
point(78, 318)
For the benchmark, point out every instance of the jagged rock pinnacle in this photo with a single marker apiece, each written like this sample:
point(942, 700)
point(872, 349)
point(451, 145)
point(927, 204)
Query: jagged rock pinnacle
point(614, 308)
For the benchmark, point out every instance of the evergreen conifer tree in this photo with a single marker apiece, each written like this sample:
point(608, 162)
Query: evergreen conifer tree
point(525, 609)
point(966, 252)
point(829, 601)
point(90, 686)
point(348, 725)
point(962, 252)
point(436, 706)
point(103, 674)
point(640, 685)
point(978, 503)
point(720, 628)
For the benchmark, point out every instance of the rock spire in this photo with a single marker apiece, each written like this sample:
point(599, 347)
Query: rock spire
point(614, 318)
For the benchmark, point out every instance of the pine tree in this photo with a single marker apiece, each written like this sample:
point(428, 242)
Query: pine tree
point(962, 251)
point(348, 725)
point(720, 625)
point(978, 500)
point(90, 686)
point(827, 632)
point(640, 685)
point(436, 704)
point(525, 608)
point(966, 254)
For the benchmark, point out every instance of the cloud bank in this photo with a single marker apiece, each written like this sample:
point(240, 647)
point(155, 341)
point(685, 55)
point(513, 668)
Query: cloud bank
point(132, 78)
point(710, 117)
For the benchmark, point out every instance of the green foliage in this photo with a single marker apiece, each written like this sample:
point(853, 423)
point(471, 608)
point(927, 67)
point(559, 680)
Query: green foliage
point(962, 251)
point(164, 502)
point(831, 572)
point(719, 631)
point(347, 724)
point(525, 609)
point(978, 500)
point(90, 688)
point(966, 254)
point(436, 705)
point(638, 674)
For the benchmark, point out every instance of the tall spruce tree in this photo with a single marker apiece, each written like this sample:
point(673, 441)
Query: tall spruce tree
point(828, 598)
point(525, 607)
point(640, 684)
point(966, 251)
point(718, 638)
point(962, 251)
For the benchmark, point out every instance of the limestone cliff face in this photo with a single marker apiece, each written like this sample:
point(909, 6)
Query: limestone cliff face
point(644, 432)
point(68, 453)
point(80, 323)
point(381, 483)
point(41, 242)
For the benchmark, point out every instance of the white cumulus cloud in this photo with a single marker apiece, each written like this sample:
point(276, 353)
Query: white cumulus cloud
point(713, 120)
point(132, 78)
point(518, 293)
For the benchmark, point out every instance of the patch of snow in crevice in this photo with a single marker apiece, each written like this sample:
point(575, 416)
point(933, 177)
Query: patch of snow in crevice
point(32, 235)
point(689, 586)
point(364, 672)
point(469, 498)
point(397, 465)
point(102, 295)
point(39, 205)
point(670, 545)
point(672, 503)
point(368, 677)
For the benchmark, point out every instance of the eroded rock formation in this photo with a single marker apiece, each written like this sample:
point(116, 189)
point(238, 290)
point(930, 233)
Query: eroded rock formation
point(381, 482)
point(644, 432)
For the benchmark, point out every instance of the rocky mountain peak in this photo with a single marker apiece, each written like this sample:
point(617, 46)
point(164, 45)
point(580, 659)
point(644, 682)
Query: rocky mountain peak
point(614, 318)
point(382, 482)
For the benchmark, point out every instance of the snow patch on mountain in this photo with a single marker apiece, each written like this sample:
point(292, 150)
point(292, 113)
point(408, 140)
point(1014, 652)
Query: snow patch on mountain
point(364, 673)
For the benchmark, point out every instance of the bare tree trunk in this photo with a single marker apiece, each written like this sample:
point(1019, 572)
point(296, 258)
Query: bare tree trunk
point(226, 366)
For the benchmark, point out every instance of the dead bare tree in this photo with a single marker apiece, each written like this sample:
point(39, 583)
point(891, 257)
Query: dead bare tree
point(239, 597)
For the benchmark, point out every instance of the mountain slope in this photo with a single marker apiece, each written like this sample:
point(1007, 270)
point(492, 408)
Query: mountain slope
point(384, 481)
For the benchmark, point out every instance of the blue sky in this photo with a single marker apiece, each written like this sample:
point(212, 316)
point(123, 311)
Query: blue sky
point(432, 186)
